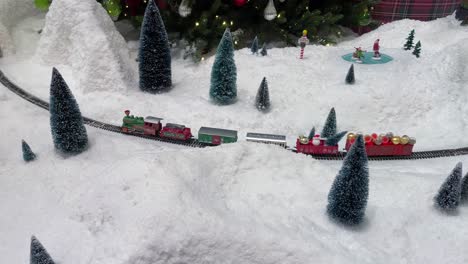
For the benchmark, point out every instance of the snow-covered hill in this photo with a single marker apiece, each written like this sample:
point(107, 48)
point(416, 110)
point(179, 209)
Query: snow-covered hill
point(130, 201)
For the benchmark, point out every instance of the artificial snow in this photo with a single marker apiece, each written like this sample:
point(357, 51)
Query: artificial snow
point(131, 201)
point(11, 12)
point(82, 35)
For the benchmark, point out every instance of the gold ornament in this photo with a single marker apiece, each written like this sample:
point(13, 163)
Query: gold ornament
point(396, 140)
point(351, 136)
point(404, 140)
point(303, 140)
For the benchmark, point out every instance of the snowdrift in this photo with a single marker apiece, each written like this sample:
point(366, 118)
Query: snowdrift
point(11, 11)
point(81, 34)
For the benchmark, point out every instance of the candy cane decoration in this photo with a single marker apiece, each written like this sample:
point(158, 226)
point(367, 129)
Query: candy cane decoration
point(303, 41)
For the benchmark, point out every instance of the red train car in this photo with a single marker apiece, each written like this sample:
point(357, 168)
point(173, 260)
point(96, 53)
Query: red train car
point(315, 146)
point(384, 144)
point(175, 131)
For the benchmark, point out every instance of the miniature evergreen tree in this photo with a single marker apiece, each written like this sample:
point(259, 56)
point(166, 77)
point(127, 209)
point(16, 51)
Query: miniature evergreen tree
point(329, 129)
point(312, 133)
point(28, 154)
point(464, 188)
point(333, 140)
point(417, 49)
point(68, 131)
point(347, 199)
point(409, 41)
point(223, 88)
point(449, 193)
point(262, 101)
point(264, 50)
point(38, 253)
point(154, 55)
point(254, 47)
point(350, 76)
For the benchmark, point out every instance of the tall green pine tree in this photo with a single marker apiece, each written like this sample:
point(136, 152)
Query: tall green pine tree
point(312, 133)
point(264, 51)
point(417, 49)
point(350, 76)
point(223, 88)
point(38, 253)
point(154, 55)
point(28, 154)
point(329, 129)
point(254, 47)
point(68, 131)
point(409, 41)
point(262, 101)
point(448, 197)
point(347, 199)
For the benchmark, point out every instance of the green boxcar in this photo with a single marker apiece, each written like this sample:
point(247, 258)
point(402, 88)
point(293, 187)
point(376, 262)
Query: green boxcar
point(216, 136)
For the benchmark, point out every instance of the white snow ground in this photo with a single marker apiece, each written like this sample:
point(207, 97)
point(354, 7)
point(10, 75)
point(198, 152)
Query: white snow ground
point(130, 201)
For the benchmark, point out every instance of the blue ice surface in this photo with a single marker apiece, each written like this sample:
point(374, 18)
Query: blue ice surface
point(368, 58)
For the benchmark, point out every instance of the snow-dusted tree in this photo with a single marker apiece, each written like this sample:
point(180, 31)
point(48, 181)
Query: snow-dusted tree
point(254, 47)
point(417, 49)
point(312, 133)
point(350, 76)
point(154, 56)
point(28, 154)
point(333, 140)
point(262, 101)
point(449, 193)
point(347, 199)
point(223, 88)
point(409, 41)
point(264, 50)
point(68, 131)
point(329, 129)
point(38, 253)
point(464, 188)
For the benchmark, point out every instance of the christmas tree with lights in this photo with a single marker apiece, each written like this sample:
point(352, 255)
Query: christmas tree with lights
point(202, 22)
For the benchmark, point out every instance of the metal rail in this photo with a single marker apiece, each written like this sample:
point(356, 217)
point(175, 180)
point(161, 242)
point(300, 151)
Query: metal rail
point(194, 143)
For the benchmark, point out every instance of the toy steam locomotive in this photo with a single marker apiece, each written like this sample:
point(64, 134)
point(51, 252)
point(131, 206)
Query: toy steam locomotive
point(376, 145)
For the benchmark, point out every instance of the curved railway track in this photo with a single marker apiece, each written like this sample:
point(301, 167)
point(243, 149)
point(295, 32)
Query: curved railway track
point(194, 143)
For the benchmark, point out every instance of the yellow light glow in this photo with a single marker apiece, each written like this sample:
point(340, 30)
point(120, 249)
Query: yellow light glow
point(126, 6)
point(235, 42)
point(197, 24)
point(224, 23)
point(278, 16)
point(202, 58)
point(328, 45)
point(217, 16)
point(232, 23)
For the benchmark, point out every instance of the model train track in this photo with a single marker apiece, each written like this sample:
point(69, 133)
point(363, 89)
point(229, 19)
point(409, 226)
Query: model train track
point(194, 143)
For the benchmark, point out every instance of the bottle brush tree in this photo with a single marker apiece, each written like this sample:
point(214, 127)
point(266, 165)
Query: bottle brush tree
point(68, 131)
point(333, 140)
point(262, 101)
point(264, 50)
point(409, 41)
point(347, 199)
point(254, 47)
point(350, 76)
point(28, 154)
point(154, 55)
point(417, 49)
point(38, 253)
point(223, 87)
point(449, 193)
point(329, 129)
point(464, 188)
point(312, 133)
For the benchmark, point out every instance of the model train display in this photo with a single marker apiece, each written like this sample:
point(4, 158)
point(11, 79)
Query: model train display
point(376, 145)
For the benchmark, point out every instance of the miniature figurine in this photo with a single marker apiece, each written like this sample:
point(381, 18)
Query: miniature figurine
point(358, 54)
point(376, 50)
point(303, 41)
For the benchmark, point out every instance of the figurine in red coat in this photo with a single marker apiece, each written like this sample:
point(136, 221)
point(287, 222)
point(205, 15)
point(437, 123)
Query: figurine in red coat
point(376, 49)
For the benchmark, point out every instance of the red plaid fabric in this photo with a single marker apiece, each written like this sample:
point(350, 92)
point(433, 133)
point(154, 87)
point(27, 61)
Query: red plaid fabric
point(391, 10)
